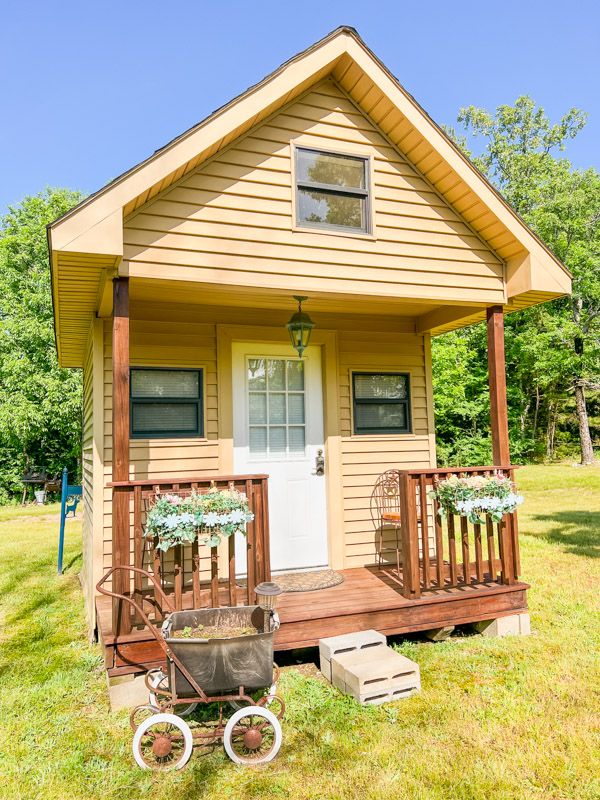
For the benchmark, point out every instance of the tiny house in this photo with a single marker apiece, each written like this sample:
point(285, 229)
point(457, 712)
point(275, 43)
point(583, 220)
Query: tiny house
point(172, 289)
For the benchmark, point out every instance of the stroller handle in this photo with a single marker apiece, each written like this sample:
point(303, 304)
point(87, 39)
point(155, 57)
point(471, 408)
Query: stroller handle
point(164, 599)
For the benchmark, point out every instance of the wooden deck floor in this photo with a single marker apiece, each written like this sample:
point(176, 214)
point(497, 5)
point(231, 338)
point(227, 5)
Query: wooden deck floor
point(369, 597)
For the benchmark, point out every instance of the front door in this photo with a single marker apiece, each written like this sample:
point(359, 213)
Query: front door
point(278, 430)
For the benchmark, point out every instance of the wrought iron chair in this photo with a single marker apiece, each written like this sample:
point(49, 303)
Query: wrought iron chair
point(385, 513)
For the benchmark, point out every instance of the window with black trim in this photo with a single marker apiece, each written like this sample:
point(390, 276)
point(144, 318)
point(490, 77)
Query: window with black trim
point(332, 191)
point(381, 402)
point(165, 403)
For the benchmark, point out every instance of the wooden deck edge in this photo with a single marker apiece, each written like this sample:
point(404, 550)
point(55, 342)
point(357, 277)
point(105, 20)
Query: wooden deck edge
point(127, 657)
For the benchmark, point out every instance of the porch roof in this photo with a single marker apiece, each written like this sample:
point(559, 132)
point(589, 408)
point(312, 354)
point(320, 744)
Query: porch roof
point(86, 244)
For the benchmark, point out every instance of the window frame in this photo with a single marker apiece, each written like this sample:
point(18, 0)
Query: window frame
point(356, 431)
point(198, 433)
point(368, 229)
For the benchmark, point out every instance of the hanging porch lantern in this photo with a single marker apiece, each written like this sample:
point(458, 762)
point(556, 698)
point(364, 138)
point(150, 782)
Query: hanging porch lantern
point(300, 327)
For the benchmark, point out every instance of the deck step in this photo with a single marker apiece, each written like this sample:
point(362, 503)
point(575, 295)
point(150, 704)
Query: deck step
point(347, 643)
point(362, 665)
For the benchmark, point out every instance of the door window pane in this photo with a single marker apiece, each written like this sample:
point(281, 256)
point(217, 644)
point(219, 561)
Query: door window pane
point(295, 408)
point(276, 408)
point(256, 373)
point(257, 402)
point(258, 441)
point(277, 441)
point(295, 376)
point(296, 439)
point(276, 375)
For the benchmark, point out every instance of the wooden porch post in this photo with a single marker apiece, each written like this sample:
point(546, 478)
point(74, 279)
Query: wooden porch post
point(120, 450)
point(499, 424)
point(497, 384)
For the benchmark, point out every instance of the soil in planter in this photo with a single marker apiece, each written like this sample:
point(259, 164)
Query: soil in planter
point(214, 632)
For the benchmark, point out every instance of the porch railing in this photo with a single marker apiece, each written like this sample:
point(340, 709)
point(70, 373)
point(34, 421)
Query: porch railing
point(207, 574)
point(446, 553)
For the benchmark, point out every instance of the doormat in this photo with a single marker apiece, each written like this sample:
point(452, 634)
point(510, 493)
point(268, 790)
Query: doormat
point(306, 581)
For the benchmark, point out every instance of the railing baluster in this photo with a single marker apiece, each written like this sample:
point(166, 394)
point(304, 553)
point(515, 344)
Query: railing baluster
point(452, 551)
point(424, 530)
point(478, 553)
point(489, 529)
point(214, 577)
point(466, 555)
point(439, 545)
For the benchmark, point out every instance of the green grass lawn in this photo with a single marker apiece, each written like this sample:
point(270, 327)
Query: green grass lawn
point(497, 718)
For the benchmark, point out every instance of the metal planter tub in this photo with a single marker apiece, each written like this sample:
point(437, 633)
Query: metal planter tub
point(222, 665)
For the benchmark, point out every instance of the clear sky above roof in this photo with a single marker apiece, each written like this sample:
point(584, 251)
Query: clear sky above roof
point(91, 89)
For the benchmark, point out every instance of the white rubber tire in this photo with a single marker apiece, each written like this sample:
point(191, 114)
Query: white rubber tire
point(173, 719)
point(258, 711)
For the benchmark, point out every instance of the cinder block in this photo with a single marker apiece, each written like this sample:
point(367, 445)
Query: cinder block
point(512, 625)
point(440, 634)
point(129, 694)
point(376, 698)
point(525, 624)
point(350, 641)
point(373, 670)
point(325, 667)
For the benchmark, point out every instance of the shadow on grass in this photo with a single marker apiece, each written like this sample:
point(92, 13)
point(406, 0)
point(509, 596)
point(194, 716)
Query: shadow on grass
point(578, 532)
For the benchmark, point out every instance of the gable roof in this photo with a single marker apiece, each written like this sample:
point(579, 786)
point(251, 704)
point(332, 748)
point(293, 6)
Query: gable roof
point(93, 230)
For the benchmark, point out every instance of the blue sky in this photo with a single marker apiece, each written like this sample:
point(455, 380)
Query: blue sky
point(91, 88)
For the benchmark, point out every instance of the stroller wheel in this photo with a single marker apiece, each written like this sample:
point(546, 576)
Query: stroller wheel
point(162, 741)
point(252, 736)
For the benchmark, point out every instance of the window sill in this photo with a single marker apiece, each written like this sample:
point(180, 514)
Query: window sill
point(369, 237)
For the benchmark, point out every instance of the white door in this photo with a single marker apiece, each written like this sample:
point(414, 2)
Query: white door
point(278, 430)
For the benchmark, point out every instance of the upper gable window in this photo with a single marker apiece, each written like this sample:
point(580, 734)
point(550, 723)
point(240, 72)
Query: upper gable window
point(332, 191)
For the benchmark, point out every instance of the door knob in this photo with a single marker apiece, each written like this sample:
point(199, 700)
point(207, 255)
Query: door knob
point(320, 463)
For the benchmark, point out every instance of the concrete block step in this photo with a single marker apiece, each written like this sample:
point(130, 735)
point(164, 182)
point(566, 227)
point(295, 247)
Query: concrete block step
point(347, 643)
point(373, 670)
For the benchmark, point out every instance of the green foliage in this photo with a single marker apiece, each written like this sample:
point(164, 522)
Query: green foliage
point(552, 351)
point(40, 403)
point(176, 520)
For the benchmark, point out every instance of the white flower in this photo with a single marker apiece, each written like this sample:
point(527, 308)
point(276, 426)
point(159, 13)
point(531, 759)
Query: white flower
point(223, 519)
point(211, 519)
point(172, 521)
point(237, 516)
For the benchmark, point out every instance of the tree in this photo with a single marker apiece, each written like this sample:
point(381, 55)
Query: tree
point(562, 205)
point(40, 402)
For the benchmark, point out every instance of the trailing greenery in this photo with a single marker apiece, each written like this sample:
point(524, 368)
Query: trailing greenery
point(176, 519)
point(40, 403)
point(476, 497)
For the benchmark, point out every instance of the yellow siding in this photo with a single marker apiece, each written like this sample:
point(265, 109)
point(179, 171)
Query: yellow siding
point(87, 473)
point(232, 219)
point(365, 457)
point(168, 335)
point(182, 341)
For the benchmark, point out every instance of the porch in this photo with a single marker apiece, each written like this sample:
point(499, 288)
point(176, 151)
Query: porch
point(452, 573)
